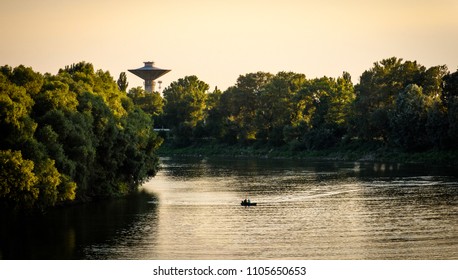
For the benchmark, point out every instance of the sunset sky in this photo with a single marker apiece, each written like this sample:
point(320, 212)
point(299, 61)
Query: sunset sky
point(220, 40)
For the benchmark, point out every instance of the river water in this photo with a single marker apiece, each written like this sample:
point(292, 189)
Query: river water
point(306, 210)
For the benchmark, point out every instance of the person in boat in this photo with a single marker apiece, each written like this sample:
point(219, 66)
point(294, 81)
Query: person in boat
point(246, 201)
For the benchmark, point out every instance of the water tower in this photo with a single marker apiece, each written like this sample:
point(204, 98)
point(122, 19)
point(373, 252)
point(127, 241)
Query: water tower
point(149, 73)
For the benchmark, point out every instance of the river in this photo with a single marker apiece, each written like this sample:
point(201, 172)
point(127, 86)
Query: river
point(306, 210)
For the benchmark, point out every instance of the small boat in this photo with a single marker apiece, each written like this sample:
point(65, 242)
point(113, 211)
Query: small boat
point(248, 203)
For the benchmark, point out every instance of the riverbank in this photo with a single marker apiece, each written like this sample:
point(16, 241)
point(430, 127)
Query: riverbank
point(354, 151)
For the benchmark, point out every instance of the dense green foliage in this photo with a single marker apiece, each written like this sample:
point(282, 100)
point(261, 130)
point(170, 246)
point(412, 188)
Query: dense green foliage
point(402, 105)
point(73, 135)
point(184, 107)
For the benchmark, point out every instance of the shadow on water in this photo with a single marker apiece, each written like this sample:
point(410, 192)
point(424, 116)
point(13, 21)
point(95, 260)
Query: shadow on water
point(67, 232)
point(193, 167)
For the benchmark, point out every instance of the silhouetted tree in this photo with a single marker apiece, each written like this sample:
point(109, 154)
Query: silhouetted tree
point(122, 82)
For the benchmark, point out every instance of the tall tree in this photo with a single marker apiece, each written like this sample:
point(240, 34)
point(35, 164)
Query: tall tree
point(276, 108)
point(184, 107)
point(16, 125)
point(151, 103)
point(377, 92)
point(122, 82)
point(214, 123)
point(241, 101)
point(185, 101)
point(450, 100)
point(329, 101)
point(408, 119)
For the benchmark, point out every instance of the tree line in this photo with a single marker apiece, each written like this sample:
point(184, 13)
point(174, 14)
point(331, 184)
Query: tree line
point(401, 104)
point(73, 135)
point(78, 135)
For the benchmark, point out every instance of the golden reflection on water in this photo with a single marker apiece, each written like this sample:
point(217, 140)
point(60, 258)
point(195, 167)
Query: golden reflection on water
point(302, 213)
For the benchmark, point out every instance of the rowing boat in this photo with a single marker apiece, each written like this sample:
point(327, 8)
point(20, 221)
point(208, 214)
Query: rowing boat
point(248, 203)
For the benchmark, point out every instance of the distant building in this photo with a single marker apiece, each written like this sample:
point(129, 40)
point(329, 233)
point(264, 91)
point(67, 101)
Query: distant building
point(149, 73)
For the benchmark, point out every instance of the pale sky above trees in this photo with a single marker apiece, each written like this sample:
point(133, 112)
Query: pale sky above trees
point(219, 40)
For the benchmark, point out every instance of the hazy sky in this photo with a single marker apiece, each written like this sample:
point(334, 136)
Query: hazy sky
point(220, 40)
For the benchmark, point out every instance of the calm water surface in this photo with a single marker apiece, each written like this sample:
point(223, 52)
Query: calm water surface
point(306, 210)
